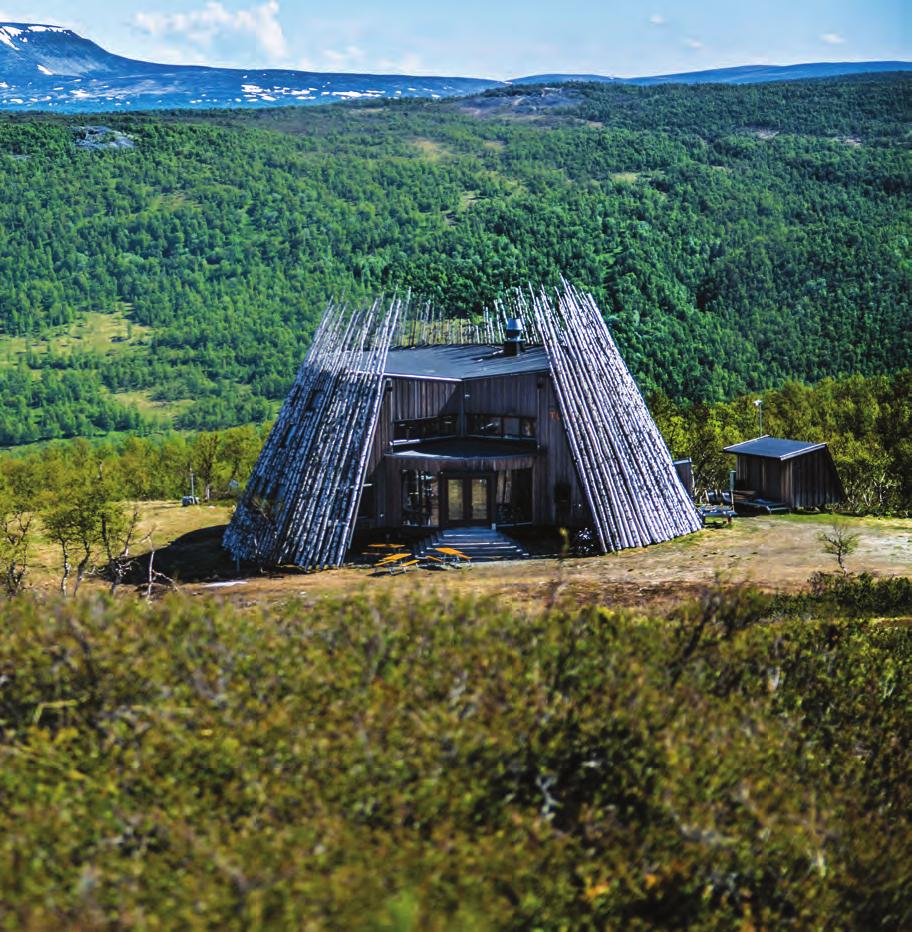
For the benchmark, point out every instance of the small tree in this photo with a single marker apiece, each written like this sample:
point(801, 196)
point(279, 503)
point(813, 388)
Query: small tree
point(839, 541)
point(15, 542)
point(239, 450)
point(74, 524)
point(204, 458)
point(84, 513)
point(17, 482)
point(118, 533)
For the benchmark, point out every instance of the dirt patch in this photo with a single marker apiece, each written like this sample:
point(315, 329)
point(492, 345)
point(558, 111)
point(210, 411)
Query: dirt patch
point(776, 554)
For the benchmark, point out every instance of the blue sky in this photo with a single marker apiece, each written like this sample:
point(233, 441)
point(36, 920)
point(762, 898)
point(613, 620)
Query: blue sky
point(486, 39)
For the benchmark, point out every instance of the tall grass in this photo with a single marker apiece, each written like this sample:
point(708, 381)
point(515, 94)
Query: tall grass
point(452, 764)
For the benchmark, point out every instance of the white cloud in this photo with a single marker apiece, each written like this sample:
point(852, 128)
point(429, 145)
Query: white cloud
point(213, 23)
point(657, 19)
point(693, 43)
point(349, 57)
point(406, 63)
point(832, 38)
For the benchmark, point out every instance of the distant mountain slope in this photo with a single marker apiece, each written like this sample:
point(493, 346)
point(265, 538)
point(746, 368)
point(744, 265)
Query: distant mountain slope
point(50, 68)
point(743, 74)
point(44, 67)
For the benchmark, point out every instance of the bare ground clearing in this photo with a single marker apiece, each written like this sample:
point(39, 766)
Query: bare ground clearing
point(774, 553)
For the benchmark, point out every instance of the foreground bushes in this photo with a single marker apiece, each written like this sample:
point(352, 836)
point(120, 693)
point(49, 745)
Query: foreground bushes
point(860, 595)
point(431, 765)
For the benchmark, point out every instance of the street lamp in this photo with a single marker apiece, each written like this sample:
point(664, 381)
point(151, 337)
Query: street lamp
point(758, 404)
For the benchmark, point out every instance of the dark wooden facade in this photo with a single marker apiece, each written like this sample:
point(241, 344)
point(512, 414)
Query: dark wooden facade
point(557, 497)
point(804, 477)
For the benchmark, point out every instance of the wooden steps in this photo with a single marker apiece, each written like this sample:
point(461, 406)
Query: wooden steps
point(479, 544)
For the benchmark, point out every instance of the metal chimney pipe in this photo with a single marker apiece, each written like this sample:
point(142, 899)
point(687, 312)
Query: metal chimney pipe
point(513, 342)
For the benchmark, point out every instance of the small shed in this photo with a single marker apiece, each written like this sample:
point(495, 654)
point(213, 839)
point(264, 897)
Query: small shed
point(797, 473)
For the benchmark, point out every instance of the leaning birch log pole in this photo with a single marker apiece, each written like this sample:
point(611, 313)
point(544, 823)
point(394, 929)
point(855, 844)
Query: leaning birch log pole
point(624, 466)
point(310, 470)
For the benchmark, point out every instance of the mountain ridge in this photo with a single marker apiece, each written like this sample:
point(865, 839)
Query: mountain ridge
point(52, 68)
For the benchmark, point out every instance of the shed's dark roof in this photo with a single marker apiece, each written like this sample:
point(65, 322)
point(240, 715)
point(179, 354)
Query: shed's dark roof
point(775, 448)
point(463, 362)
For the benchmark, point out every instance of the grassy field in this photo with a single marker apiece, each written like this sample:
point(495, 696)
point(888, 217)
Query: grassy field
point(110, 333)
point(774, 554)
point(162, 523)
point(147, 405)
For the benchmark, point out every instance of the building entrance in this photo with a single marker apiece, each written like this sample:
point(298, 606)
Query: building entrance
point(467, 500)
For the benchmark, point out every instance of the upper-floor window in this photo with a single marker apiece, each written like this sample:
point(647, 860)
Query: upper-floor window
point(425, 428)
point(498, 425)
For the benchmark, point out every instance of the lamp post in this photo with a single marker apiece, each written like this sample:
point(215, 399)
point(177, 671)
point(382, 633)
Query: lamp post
point(758, 404)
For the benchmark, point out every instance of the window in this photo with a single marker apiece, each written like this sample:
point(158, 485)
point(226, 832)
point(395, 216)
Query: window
point(420, 499)
point(484, 425)
point(495, 425)
point(424, 428)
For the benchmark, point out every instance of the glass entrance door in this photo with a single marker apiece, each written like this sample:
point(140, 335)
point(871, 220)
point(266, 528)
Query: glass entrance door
point(478, 500)
point(455, 499)
point(468, 499)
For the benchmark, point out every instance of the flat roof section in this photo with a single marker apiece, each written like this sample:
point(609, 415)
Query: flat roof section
point(774, 448)
point(455, 363)
point(464, 448)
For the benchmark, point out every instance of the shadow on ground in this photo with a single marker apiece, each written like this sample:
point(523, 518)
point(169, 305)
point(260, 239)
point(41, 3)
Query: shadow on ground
point(195, 558)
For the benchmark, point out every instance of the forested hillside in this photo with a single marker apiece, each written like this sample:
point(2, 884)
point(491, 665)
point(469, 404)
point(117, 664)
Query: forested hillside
point(736, 236)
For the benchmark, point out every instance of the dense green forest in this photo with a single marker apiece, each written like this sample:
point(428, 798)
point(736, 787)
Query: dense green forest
point(447, 764)
point(866, 421)
point(735, 236)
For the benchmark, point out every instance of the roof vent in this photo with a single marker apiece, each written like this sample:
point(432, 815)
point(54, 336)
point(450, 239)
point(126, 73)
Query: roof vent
point(513, 342)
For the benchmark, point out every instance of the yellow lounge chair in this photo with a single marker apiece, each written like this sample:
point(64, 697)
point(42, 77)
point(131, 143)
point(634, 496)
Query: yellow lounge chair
point(402, 566)
point(453, 552)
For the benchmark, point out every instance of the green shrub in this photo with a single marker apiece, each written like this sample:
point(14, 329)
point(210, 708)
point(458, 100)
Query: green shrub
point(451, 764)
point(854, 595)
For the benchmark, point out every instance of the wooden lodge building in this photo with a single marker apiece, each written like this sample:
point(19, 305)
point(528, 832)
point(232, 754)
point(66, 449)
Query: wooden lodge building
point(470, 435)
point(400, 421)
point(774, 471)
